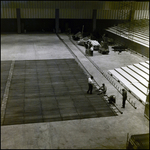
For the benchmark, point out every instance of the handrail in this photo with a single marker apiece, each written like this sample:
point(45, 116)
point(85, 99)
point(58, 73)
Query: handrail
point(131, 102)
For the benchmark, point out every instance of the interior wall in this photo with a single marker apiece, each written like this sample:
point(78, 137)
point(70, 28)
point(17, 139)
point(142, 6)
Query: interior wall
point(47, 25)
point(8, 25)
point(38, 25)
point(40, 15)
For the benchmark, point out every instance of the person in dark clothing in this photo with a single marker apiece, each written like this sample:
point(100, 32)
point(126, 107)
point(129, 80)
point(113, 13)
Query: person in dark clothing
point(87, 47)
point(90, 83)
point(112, 99)
point(124, 97)
point(119, 51)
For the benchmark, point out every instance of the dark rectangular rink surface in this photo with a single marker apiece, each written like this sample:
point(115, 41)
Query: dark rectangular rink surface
point(51, 90)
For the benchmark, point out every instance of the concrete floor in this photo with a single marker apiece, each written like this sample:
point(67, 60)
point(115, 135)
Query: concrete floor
point(90, 133)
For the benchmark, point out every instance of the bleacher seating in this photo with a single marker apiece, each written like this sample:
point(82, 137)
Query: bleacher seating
point(145, 70)
point(137, 31)
point(138, 77)
point(131, 79)
point(128, 85)
point(145, 65)
point(135, 80)
point(147, 62)
point(138, 71)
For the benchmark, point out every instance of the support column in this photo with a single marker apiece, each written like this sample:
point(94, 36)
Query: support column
point(18, 20)
point(132, 12)
point(94, 19)
point(56, 20)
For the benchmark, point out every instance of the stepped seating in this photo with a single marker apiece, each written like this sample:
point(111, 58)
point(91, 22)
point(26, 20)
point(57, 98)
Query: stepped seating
point(138, 71)
point(145, 65)
point(128, 85)
point(147, 62)
point(136, 23)
point(134, 36)
point(133, 33)
point(137, 31)
point(144, 32)
point(138, 77)
point(134, 79)
point(141, 41)
point(145, 70)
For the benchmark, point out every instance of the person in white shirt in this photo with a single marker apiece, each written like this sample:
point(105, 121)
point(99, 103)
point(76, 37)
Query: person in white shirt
point(90, 83)
point(91, 51)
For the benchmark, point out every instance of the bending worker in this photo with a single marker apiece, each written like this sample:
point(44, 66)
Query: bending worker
point(112, 99)
point(102, 89)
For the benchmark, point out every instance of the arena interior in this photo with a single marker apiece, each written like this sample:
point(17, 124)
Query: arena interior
point(44, 74)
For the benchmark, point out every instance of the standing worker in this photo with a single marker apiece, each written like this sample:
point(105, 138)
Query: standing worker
point(86, 44)
point(86, 48)
point(124, 97)
point(91, 51)
point(90, 83)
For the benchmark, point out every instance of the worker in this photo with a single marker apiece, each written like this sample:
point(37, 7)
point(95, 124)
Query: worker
point(90, 83)
point(102, 89)
point(112, 99)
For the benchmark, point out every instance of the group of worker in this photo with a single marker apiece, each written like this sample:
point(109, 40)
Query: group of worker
point(103, 89)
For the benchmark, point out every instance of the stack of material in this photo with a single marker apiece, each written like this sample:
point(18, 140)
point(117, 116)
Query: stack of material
point(77, 36)
point(104, 48)
point(95, 44)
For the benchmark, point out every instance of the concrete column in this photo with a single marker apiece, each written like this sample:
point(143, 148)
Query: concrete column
point(18, 20)
point(56, 20)
point(132, 12)
point(94, 19)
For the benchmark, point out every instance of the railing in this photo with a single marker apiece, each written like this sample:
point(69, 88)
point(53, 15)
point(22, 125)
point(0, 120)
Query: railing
point(119, 90)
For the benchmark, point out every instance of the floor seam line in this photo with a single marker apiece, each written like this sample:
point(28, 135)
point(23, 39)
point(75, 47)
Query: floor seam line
point(6, 93)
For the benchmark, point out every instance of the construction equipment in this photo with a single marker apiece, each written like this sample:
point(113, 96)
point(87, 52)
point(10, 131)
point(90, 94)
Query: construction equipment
point(77, 36)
